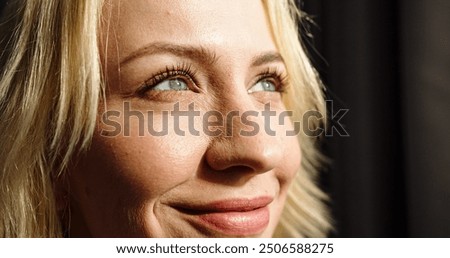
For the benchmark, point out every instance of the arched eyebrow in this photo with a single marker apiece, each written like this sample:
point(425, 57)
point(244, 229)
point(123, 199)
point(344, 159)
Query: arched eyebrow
point(197, 53)
point(267, 57)
point(200, 54)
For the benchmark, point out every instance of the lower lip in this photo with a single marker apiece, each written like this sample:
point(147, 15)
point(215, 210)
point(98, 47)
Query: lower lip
point(238, 223)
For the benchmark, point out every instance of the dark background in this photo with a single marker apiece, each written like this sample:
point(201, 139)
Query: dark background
point(388, 62)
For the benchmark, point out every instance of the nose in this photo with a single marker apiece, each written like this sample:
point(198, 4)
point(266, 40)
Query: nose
point(257, 153)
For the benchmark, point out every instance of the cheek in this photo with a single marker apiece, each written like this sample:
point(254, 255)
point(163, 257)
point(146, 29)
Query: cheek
point(293, 159)
point(148, 166)
point(289, 138)
point(136, 161)
point(122, 174)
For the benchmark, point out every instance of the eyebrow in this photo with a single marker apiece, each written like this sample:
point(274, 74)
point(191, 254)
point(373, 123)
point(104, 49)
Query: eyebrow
point(267, 57)
point(198, 53)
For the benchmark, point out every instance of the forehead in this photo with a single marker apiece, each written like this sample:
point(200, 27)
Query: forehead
point(232, 25)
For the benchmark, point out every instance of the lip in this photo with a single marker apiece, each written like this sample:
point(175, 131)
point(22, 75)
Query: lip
point(234, 217)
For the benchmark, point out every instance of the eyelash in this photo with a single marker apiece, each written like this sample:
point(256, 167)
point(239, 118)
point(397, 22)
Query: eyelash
point(280, 79)
point(170, 72)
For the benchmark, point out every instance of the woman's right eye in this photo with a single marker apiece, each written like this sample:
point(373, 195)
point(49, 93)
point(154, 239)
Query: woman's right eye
point(177, 84)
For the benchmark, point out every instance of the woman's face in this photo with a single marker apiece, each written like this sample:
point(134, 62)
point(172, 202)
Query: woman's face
point(205, 69)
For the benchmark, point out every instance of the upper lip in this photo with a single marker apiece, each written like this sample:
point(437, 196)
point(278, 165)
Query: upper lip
point(226, 205)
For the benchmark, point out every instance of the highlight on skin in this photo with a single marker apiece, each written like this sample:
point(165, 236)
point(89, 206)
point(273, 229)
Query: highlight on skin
point(60, 50)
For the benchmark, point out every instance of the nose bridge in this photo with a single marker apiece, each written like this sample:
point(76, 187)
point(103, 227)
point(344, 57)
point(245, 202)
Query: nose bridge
point(239, 112)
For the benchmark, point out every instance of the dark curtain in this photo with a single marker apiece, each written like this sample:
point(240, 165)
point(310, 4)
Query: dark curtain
point(388, 62)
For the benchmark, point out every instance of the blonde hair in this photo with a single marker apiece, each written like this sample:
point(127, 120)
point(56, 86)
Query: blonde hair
point(50, 85)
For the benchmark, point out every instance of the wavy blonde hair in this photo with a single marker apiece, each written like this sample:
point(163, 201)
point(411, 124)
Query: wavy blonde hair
point(50, 86)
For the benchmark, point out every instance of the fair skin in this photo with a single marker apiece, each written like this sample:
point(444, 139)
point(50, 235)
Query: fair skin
point(185, 186)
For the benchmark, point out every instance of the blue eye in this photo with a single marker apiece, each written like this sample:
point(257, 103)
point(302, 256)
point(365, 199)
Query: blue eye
point(171, 84)
point(263, 85)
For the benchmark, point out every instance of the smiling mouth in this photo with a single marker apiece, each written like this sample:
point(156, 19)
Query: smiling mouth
point(233, 217)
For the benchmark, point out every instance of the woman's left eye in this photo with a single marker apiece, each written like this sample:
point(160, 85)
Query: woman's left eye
point(263, 85)
point(171, 84)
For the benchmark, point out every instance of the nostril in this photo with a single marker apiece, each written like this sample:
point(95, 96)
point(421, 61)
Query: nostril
point(233, 175)
point(244, 155)
point(239, 169)
point(243, 166)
